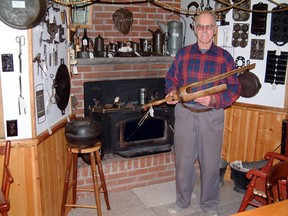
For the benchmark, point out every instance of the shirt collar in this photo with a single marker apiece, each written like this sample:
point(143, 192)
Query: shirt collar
point(211, 50)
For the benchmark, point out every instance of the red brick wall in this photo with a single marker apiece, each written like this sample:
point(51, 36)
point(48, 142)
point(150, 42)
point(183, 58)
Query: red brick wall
point(124, 174)
point(127, 173)
point(145, 16)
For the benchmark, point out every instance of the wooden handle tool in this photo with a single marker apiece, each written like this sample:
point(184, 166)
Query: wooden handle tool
point(184, 96)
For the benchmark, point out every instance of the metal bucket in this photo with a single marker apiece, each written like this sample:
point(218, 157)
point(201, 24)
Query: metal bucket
point(239, 176)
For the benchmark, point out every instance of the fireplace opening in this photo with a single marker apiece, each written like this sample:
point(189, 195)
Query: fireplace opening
point(151, 137)
point(150, 129)
point(123, 132)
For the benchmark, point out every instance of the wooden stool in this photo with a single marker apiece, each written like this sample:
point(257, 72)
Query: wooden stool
point(72, 158)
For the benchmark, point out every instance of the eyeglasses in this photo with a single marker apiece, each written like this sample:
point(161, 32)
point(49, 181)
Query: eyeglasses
point(208, 27)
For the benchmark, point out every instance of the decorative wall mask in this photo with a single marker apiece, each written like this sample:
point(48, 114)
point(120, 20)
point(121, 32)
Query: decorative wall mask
point(123, 19)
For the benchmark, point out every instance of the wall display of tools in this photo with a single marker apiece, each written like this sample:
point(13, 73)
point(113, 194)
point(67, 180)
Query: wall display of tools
point(259, 20)
point(240, 34)
point(276, 67)
point(279, 26)
point(241, 15)
point(257, 49)
point(49, 58)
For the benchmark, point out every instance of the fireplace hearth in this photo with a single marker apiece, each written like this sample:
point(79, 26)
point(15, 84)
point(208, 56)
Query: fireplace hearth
point(115, 105)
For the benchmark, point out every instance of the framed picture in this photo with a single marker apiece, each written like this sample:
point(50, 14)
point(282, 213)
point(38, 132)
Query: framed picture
point(7, 62)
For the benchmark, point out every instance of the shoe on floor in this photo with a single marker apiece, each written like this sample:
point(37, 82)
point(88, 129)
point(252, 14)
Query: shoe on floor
point(211, 213)
point(173, 209)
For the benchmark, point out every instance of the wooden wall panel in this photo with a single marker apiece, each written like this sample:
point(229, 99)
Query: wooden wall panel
point(38, 170)
point(251, 132)
point(52, 172)
point(24, 194)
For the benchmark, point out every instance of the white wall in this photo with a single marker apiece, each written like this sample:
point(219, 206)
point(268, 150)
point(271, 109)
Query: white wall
point(269, 95)
point(10, 80)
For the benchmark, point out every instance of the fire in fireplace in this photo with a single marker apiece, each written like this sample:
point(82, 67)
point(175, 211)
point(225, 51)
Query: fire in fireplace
point(116, 106)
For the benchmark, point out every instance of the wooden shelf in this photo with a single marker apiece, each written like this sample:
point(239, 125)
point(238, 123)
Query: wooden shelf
point(125, 60)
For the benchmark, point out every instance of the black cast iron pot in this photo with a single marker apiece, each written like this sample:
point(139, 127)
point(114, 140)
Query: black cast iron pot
point(82, 132)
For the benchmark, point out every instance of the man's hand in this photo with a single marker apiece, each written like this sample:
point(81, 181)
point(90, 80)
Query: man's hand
point(172, 95)
point(209, 100)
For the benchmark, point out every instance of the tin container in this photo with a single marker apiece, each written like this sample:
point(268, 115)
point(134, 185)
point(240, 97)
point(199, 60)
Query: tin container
point(142, 96)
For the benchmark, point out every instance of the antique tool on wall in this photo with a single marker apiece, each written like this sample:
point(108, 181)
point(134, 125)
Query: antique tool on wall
point(240, 34)
point(21, 101)
point(208, 7)
point(38, 59)
point(241, 15)
point(250, 84)
point(259, 20)
point(22, 14)
point(221, 15)
point(184, 96)
point(276, 67)
point(257, 49)
point(279, 32)
point(21, 41)
point(62, 86)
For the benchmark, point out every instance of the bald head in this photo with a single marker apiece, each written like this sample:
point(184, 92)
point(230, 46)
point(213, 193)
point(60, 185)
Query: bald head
point(206, 14)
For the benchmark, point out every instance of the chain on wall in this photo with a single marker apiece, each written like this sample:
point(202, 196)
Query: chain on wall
point(163, 4)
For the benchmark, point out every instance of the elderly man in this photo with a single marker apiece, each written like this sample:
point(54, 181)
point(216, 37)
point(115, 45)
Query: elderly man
point(199, 124)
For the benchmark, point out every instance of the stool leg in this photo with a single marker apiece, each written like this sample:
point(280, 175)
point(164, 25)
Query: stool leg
point(75, 163)
point(95, 184)
point(66, 183)
point(102, 178)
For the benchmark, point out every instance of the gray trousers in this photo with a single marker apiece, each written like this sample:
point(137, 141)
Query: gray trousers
point(198, 136)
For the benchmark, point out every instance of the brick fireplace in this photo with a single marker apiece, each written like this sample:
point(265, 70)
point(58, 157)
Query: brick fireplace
point(125, 173)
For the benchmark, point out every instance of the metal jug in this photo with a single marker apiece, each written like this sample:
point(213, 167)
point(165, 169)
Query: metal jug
point(134, 45)
point(145, 45)
point(157, 42)
point(99, 44)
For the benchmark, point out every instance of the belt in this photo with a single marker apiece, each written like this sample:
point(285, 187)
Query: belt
point(197, 110)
